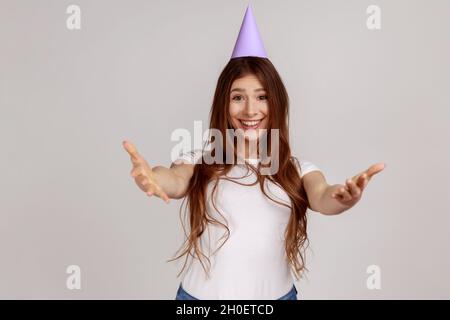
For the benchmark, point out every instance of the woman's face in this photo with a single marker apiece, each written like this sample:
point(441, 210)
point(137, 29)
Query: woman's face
point(249, 108)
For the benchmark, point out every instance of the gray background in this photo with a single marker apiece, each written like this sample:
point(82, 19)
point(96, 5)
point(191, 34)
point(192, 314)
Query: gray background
point(138, 70)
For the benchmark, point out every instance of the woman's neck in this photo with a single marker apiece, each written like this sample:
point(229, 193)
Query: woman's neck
point(246, 151)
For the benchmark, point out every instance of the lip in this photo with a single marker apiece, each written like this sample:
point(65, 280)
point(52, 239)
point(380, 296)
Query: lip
point(251, 127)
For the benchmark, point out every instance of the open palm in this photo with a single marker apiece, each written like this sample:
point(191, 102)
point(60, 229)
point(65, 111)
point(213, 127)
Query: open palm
point(350, 193)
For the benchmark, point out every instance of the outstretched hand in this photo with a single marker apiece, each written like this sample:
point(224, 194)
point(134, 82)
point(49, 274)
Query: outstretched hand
point(350, 193)
point(143, 174)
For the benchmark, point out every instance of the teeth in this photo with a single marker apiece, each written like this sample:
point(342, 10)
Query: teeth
point(250, 123)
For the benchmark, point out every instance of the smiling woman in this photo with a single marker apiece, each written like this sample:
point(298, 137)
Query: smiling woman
point(249, 109)
point(247, 231)
point(245, 249)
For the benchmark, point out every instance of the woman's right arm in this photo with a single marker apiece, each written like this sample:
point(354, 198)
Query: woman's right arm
point(163, 182)
point(174, 180)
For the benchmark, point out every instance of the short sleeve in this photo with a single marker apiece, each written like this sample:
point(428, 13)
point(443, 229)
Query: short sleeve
point(189, 157)
point(305, 166)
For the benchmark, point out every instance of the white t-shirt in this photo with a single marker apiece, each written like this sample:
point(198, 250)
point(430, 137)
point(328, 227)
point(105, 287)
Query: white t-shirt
point(252, 264)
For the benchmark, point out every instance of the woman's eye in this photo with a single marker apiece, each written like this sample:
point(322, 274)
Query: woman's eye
point(239, 98)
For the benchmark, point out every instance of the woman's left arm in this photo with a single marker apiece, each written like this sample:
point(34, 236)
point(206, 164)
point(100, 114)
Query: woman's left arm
point(335, 199)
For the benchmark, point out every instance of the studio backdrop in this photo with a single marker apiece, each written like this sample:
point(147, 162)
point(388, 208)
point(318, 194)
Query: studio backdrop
point(368, 82)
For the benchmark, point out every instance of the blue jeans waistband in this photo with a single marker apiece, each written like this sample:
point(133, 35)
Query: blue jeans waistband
point(183, 295)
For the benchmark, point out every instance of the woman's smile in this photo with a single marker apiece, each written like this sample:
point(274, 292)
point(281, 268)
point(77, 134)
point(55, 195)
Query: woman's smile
point(251, 124)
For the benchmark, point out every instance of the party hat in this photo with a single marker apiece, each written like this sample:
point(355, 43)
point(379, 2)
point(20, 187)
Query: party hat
point(249, 41)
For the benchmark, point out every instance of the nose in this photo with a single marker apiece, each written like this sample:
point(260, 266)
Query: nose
point(251, 109)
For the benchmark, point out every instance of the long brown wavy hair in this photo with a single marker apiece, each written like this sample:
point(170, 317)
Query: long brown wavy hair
point(287, 176)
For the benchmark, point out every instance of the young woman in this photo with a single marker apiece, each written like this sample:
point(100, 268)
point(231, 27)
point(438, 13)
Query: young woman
point(247, 231)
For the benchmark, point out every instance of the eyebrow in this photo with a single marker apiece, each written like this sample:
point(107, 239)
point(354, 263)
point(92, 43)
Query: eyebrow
point(241, 90)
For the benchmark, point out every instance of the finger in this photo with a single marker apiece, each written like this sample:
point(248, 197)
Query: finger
point(130, 148)
point(342, 194)
point(338, 196)
point(153, 189)
point(361, 181)
point(148, 187)
point(145, 184)
point(160, 193)
point(345, 194)
point(132, 151)
point(353, 188)
point(150, 190)
point(337, 193)
point(374, 169)
point(137, 171)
